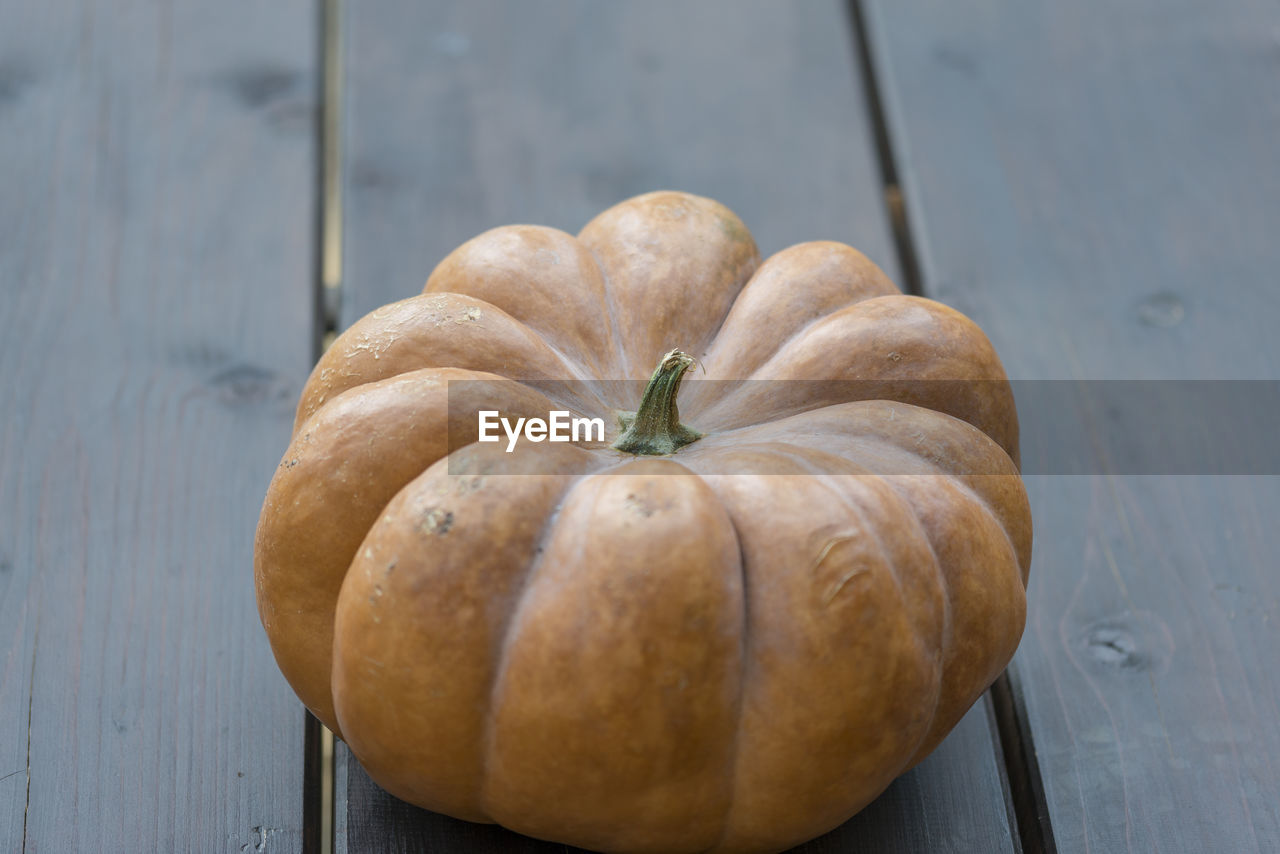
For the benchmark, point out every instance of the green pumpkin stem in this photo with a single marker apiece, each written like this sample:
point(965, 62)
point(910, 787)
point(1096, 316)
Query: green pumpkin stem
point(655, 429)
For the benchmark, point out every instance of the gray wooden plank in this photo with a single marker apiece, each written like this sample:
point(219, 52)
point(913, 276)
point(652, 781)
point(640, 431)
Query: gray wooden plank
point(463, 116)
point(1095, 184)
point(156, 289)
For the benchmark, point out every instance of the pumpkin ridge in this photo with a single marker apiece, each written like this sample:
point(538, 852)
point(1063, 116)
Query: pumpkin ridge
point(940, 653)
point(936, 655)
point(826, 476)
point(441, 508)
point(577, 669)
point(976, 500)
point(305, 466)
point(342, 362)
point(756, 796)
point(944, 636)
point(807, 325)
point(579, 375)
point(983, 405)
point(652, 249)
point(983, 504)
point(801, 331)
point(576, 370)
point(542, 275)
point(922, 646)
point(306, 458)
point(509, 633)
point(922, 536)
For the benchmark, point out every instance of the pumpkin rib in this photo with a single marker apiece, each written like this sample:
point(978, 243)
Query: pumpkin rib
point(924, 643)
point(580, 376)
point(856, 422)
point(370, 439)
point(1021, 553)
point(802, 456)
point(651, 248)
point(927, 467)
point(758, 805)
point(436, 597)
point(944, 639)
point(371, 350)
point(894, 481)
point(958, 479)
point(986, 507)
point(508, 633)
point(923, 648)
point(770, 393)
point(931, 647)
point(779, 281)
point(804, 330)
point(937, 650)
point(644, 689)
point(982, 506)
point(543, 275)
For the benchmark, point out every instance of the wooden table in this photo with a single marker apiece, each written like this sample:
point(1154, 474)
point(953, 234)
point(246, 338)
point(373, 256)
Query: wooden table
point(1095, 183)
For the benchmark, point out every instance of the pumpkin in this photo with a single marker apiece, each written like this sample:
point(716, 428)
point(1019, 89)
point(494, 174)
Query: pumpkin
point(727, 626)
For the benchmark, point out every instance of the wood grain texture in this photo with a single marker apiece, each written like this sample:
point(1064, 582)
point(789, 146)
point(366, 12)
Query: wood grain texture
point(463, 116)
point(1095, 184)
point(156, 269)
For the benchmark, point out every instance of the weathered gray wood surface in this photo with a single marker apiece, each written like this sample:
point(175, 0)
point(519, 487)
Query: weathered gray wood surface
point(156, 269)
point(465, 115)
point(462, 116)
point(1095, 183)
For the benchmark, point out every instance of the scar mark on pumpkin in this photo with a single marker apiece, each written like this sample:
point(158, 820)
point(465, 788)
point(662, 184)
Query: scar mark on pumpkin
point(467, 485)
point(371, 345)
point(437, 522)
point(830, 544)
point(639, 505)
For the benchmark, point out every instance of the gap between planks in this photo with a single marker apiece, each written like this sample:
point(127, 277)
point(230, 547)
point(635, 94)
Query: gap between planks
point(319, 803)
point(894, 201)
point(1030, 816)
point(330, 291)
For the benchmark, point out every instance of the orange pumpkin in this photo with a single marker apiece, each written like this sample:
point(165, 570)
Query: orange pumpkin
point(726, 627)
